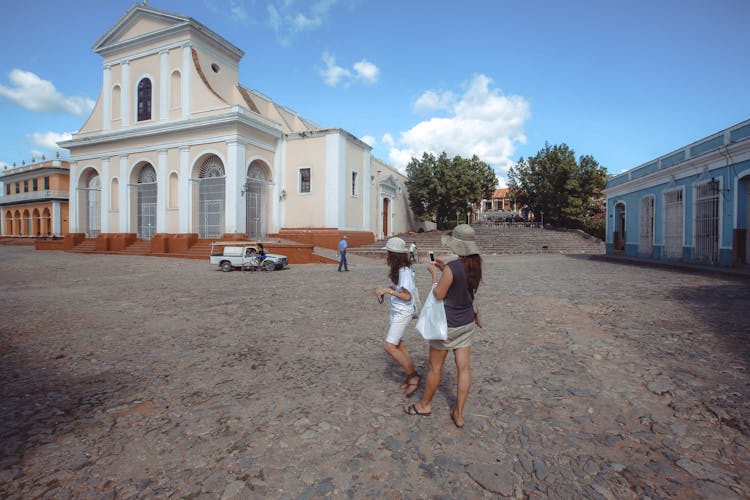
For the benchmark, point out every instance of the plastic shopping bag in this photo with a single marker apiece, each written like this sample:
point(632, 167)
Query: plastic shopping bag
point(432, 323)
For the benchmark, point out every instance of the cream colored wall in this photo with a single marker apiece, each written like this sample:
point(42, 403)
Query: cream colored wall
point(305, 210)
point(354, 204)
point(225, 80)
point(143, 26)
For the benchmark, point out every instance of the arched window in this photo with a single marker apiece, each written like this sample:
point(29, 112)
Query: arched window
point(175, 90)
point(144, 100)
point(114, 195)
point(174, 191)
point(116, 99)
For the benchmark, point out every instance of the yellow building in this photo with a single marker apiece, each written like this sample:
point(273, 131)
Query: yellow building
point(175, 147)
point(35, 199)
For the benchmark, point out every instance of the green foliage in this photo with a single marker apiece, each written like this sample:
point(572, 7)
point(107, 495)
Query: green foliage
point(442, 187)
point(553, 183)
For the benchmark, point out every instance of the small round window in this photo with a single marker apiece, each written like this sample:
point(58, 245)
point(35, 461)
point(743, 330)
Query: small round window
point(215, 67)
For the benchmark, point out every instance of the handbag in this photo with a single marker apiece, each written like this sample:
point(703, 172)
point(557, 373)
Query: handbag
point(432, 323)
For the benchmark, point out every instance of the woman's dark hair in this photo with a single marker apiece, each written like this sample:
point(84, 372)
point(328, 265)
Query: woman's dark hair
point(473, 270)
point(395, 262)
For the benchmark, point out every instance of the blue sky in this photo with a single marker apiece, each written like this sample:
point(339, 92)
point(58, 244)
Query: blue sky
point(624, 81)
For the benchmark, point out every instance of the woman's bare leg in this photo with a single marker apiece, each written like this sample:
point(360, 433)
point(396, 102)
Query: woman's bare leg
point(463, 385)
point(402, 357)
point(437, 358)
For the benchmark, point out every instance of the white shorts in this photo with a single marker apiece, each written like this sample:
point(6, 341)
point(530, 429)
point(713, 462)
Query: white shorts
point(399, 322)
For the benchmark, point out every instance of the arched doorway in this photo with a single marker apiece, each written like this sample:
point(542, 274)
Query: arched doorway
point(46, 222)
point(707, 222)
point(256, 188)
point(211, 197)
point(8, 223)
point(145, 200)
point(17, 223)
point(619, 232)
point(90, 193)
point(36, 229)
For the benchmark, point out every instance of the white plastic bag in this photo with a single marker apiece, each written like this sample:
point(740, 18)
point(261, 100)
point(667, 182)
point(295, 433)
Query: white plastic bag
point(432, 323)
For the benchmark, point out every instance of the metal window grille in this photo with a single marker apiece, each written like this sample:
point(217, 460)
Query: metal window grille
point(255, 201)
point(304, 180)
point(144, 100)
point(211, 198)
point(707, 222)
point(146, 202)
point(674, 216)
point(91, 200)
point(646, 234)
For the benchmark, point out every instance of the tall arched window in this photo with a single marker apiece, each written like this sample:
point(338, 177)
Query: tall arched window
point(144, 100)
point(175, 90)
point(116, 99)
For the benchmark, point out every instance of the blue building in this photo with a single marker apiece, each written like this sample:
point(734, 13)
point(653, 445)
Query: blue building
point(691, 205)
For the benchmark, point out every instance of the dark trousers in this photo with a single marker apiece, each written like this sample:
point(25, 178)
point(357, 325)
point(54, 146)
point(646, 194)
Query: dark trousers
point(343, 262)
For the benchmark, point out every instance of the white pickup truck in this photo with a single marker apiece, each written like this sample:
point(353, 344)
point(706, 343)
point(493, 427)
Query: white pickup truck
point(229, 255)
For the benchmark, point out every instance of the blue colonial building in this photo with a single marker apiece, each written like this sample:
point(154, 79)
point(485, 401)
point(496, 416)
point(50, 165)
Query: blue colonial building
point(691, 205)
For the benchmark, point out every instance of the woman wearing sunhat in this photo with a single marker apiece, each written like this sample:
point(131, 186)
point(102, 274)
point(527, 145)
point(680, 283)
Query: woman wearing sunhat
point(402, 308)
point(457, 287)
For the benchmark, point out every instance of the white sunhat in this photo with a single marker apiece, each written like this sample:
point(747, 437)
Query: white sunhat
point(462, 240)
point(396, 245)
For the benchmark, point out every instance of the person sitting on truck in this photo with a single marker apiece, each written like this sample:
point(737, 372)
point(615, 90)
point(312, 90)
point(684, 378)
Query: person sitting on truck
point(261, 250)
point(249, 252)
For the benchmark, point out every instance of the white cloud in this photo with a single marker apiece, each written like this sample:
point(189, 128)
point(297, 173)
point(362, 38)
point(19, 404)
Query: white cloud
point(481, 122)
point(366, 71)
point(369, 140)
point(49, 140)
point(29, 91)
point(288, 18)
point(333, 74)
point(431, 101)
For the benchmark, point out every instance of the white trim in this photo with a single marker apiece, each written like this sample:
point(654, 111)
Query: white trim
point(161, 192)
point(124, 205)
point(185, 192)
point(163, 85)
point(106, 98)
point(57, 218)
point(334, 174)
point(124, 94)
point(104, 209)
point(187, 61)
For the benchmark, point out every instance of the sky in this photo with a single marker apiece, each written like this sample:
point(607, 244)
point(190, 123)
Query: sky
point(624, 81)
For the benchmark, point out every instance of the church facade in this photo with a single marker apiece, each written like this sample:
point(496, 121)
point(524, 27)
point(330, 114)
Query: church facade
point(175, 146)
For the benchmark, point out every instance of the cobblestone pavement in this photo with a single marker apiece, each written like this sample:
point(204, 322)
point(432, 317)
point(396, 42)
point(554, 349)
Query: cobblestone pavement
point(128, 377)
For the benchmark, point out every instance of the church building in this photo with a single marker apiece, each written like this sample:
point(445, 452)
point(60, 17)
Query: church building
point(175, 147)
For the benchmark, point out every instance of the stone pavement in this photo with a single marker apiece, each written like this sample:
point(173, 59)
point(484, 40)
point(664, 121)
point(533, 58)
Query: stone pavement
point(128, 377)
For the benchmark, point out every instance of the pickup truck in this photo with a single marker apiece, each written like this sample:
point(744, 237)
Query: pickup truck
point(229, 255)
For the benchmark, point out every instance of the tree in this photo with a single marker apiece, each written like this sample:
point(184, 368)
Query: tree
point(553, 183)
point(440, 187)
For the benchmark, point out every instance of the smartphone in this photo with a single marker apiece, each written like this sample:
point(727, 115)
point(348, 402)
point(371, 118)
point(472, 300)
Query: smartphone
point(432, 256)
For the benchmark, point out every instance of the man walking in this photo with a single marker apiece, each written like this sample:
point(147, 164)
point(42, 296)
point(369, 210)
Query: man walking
point(342, 254)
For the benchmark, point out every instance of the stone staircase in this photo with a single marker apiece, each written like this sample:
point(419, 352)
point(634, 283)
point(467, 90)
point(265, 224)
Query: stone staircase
point(499, 240)
point(86, 246)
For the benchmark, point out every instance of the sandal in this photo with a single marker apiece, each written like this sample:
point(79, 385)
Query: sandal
point(412, 410)
point(412, 387)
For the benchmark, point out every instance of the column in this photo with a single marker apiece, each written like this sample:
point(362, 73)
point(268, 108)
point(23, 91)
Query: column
point(73, 199)
point(57, 218)
point(106, 99)
point(279, 180)
point(186, 190)
point(164, 86)
point(124, 198)
point(334, 215)
point(366, 192)
point(187, 58)
point(104, 209)
point(234, 187)
point(161, 192)
point(125, 95)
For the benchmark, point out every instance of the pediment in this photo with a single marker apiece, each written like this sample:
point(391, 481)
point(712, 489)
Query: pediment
point(389, 184)
point(139, 22)
point(142, 25)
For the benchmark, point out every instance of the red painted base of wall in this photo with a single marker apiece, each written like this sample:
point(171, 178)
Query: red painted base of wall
point(325, 237)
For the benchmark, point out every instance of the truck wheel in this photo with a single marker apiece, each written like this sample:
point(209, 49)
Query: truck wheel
point(268, 265)
point(226, 266)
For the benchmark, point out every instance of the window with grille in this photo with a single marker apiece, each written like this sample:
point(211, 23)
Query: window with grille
point(144, 100)
point(304, 180)
point(25, 186)
point(46, 183)
point(707, 222)
point(674, 217)
point(355, 192)
point(34, 185)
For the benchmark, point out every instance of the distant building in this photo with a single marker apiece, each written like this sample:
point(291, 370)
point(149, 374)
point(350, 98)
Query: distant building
point(690, 205)
point(34, 201)
point(176, 147)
